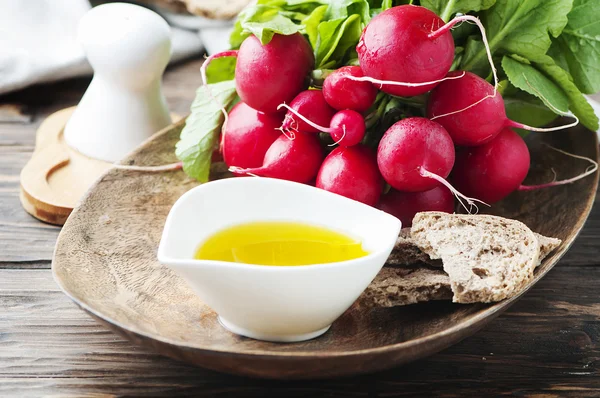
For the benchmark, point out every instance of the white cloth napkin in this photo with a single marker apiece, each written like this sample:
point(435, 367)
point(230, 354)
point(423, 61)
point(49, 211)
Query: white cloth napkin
point(38, 42)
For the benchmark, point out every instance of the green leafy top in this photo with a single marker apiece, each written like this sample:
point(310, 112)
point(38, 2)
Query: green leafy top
point(547, 53)
point(537, 34)
point(264, 21)
point(446, 9)
point(579, 44)
point(522, 28)
point(333, 27)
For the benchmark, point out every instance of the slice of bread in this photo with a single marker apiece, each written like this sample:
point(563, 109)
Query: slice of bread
point(547, 246)
point(487, 258)
point(216, 9)
point(412, 280)
point(396, 286)
point(407, 254)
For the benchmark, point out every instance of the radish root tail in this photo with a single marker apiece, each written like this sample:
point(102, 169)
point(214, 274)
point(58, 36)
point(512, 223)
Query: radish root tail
point(476, 21)
point(591, 169)
point(472, 202)
point(241, 170)
point(341, 138)
point(381, 83)
point(289, 131)
point(304, 119)
point(511, 123)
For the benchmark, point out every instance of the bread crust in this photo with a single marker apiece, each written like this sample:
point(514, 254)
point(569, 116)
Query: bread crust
point(216, 9)
point(412, 276)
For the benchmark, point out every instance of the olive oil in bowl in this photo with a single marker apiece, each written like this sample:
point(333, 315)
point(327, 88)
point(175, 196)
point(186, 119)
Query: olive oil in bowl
point(278, 243)
point(275, 303)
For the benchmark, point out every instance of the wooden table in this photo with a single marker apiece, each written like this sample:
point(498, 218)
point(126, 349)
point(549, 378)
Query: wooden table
point(547, 345)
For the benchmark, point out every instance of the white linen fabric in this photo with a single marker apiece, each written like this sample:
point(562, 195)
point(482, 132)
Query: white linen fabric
point(38, 42)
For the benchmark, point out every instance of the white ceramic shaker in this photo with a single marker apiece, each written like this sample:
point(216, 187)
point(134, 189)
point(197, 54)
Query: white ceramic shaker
point(128, 47)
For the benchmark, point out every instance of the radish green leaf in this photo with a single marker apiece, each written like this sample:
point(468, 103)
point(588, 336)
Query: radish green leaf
point(579, 43)
point(199, 137)
point(534, 82)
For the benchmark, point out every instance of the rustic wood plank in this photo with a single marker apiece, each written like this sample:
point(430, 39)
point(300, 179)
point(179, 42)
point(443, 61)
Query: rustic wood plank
point(586, 250)
point(35, 264)
point(14, 113)
point(22, 237)
point(40, 100)
point(546, 344)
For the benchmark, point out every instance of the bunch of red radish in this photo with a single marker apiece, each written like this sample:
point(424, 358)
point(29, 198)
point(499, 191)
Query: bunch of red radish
point(404, 51)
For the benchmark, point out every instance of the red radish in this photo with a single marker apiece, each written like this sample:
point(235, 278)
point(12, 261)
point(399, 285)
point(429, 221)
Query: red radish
point(471, 110)
point(473, 126)
point(248, 135)
point(267, 75)
point(407, 50)
point(311, 104)
point(414, 154)
point(491, 171)
point(296, 159)
point(404, 205)
point(396, 46)
point(347, 127)
point(342, 93)
point(351, 172)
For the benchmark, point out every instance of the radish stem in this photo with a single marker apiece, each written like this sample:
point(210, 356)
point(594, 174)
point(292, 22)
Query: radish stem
point(476, 21)
point(590, 170)
point(459, 196)
point(223, 54)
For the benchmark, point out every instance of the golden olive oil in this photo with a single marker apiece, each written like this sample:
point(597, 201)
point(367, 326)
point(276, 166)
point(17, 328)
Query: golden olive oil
point(279, 243)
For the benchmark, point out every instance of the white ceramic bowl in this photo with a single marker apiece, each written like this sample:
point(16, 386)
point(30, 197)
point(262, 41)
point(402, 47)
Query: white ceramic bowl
point(283, 304)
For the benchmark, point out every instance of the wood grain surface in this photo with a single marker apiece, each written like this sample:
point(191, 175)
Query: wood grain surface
point(546, 345)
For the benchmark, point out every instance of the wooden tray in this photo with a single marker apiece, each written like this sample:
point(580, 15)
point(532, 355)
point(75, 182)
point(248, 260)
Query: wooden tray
point(105, 260)
point(57, 176)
